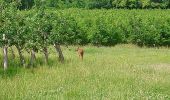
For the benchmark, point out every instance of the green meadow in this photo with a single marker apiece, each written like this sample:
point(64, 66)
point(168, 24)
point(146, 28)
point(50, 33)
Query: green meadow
point(122, 72)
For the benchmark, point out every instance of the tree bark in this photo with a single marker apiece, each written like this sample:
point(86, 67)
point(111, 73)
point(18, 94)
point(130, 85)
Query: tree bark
point(13, 54)
point(32, 57)
point(45, 54)
point(59, 51)
point(5, 51)
point(22, 60)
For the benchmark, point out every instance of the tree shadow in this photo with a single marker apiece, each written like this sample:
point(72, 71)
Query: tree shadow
point(16, 68)
point(13, 68)
point(9, 73)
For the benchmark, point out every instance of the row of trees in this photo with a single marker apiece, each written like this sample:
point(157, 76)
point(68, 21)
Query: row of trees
point(32, 32)
point(91, 4)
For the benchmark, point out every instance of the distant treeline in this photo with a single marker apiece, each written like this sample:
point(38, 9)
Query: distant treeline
point(97, 4)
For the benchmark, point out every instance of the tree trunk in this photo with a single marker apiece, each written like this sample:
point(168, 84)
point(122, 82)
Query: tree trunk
point(59, 51)
point(13, 55)
point(5, 51)
point(32, 57)
point(22, 60)
point(46, 54)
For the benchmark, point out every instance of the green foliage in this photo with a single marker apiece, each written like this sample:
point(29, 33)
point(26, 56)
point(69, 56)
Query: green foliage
point(165, 33)
point(105, 32)
point(9, 22)
point(108, 27)
point(93, 4)
point(67, 31)
point(26, 4)
point(39, 29)
point(42, 28)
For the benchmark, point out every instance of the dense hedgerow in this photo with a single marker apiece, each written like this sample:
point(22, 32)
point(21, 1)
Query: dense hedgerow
point(103, 27)
point(97, 27)
point(109, 27)
point(98, 4)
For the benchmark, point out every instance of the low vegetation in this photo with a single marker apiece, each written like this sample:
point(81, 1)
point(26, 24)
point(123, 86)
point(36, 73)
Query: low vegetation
point(120, 72)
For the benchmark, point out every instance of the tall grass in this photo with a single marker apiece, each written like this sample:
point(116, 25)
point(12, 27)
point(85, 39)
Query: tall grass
point(107, 73)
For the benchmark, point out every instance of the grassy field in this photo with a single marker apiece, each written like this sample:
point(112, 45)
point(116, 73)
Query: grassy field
point(122, 72)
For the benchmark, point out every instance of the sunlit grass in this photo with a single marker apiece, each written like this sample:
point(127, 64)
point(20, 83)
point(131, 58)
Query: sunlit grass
point(107, 73)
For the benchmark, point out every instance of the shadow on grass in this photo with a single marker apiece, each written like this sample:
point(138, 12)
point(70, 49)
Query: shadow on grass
point(41, 62)
point(16, 68)
point(10, 72)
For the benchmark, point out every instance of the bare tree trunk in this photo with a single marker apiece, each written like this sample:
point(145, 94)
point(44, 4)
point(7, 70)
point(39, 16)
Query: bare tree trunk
point(46, 54)
point(59, 51)
point(22, 60)
point(13, 55)
point(5, 51)
point(32, 57)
